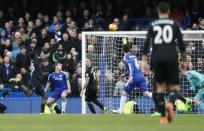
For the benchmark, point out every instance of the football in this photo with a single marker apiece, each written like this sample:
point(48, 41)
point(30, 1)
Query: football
point(113, 27)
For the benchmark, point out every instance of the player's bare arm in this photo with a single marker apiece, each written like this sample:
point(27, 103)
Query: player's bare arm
point(97, 81)
point(68, 87)
point(47, 86)
point(85, 85)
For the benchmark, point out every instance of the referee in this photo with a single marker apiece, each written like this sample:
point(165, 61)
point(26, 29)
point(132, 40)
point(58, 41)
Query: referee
point(164, 35)
point(92, 88)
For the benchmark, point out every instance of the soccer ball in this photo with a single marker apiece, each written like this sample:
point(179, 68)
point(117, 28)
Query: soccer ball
point(113, 27)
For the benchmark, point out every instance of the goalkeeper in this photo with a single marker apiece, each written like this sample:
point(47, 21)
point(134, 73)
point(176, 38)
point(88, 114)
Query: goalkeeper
point(135, 76)
point(196, 81)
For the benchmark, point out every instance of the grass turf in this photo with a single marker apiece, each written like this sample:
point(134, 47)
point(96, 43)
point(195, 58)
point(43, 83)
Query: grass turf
point(69, 122)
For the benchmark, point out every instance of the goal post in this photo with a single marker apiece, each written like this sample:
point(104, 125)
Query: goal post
point(104, 49)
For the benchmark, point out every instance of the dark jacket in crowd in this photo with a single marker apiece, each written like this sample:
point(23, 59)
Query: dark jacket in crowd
point(7, 72)
point(22, 61)
point(42, 71)
point(69, 66)
point(59, 56)
point(75, 88)
point(125, 26)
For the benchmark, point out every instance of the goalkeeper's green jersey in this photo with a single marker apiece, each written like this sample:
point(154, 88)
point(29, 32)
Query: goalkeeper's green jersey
point(196, 79)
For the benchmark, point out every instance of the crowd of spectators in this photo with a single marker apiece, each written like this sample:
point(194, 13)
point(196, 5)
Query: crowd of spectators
point(30, 31)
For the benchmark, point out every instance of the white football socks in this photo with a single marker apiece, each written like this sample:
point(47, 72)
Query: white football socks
point(123, 100)
point(64, 104)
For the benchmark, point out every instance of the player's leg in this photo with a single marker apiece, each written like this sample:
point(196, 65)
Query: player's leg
point(99, 104)
point(93, 94)
point(174, 94)
point(154, 97)
point(64, 100)
point(52, 106)
point(173, 83)
point(89, 99)
point(123, 100)
point(17, 82)
point(91, 107)
point(172, 75)
point(154, 92)
point(40, 91)
point(26, 90)
point(142, 84)
point(159, 95)
point(52, 99)
point(42, 105)
point(35, 84)
point(127, 89)
point(32, 84)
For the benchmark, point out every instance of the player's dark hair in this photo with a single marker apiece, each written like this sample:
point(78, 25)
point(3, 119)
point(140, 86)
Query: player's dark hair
point(163, 7)
point(126, 48)
point(57, 63)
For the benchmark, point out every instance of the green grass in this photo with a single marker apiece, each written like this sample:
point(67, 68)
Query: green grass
point(35, 122)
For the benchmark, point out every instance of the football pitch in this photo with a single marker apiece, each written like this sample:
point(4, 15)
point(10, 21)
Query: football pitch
point(37, 122)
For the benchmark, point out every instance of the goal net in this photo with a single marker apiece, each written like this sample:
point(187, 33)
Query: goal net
point(104, 49)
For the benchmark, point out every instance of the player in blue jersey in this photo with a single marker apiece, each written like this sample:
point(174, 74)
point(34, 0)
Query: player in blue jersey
point(196, 81)
point(135, 76)
point(61, 84)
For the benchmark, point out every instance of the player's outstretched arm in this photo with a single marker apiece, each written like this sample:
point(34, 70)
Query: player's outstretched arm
point(148, 40)
point(182, 47)
point(48, 83)
point(97, 82)
point(85, 85)
point(144, 65)
point(68, 87)
point(47, 86)
point(144, 58)
point(146, 49)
